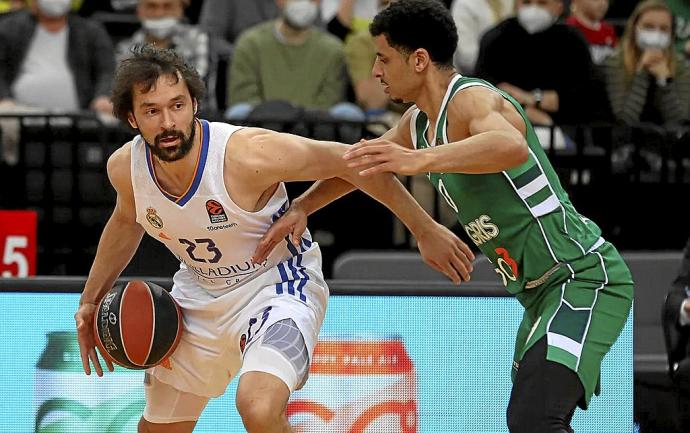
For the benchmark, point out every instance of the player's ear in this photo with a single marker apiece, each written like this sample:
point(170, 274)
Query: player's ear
point(132, 120)
point(421, 59)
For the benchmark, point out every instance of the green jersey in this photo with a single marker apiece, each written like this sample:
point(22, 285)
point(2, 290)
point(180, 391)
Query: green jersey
point(520, 218)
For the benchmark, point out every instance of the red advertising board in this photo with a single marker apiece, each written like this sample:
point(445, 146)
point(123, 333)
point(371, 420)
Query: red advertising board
point(17, 243)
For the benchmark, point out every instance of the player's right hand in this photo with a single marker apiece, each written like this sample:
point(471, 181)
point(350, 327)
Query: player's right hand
point(444, 251)
point(292, 224)
point(87, 343)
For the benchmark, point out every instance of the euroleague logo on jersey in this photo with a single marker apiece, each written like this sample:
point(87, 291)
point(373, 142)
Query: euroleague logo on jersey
point(216, 213)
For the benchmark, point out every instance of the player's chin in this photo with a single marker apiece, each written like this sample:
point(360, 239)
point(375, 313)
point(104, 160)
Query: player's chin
point(170, 154)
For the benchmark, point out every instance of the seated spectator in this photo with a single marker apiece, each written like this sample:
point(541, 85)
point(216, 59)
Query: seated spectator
point(681, 13)
point(544, 65)
point(473, 18)
point(289, 59)
point(226, 19)
point(646, 80)
point(676, 324)
point(52, 59)
point(162, 24)
point(588, 17)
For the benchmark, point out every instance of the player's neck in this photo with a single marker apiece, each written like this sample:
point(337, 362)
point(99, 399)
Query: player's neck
point(175, 176)
point(434, 90)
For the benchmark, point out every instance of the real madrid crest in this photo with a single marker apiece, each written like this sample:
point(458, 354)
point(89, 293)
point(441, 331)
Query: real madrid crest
point(153, 218)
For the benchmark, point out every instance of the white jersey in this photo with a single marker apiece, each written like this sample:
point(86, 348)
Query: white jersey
point(212, 237)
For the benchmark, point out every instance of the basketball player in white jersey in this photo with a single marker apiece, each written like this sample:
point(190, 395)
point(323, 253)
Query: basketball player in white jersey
point(209, 191)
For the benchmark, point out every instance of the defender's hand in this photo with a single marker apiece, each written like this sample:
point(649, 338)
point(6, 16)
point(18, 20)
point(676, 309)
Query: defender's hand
point(292, 224)
point(446, 253)
point(87, 343)
point(380, 155)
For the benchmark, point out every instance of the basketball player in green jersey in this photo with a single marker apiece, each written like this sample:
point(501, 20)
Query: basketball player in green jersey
point(480, 152)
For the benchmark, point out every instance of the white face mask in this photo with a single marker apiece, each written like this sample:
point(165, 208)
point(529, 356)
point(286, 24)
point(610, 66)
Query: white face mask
point(54, 8)
point(160, 28)
point(300, 14)
point(652, 39)
point(535, 19)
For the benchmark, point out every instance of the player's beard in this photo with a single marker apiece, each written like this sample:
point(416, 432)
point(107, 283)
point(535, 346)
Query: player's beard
point(170, 154)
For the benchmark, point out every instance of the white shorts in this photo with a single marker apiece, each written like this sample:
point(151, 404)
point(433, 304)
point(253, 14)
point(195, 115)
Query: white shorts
point(219, 332)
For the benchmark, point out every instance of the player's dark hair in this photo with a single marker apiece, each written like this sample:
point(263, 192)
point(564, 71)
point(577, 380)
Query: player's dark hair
point(412, 24)
point(146, 64)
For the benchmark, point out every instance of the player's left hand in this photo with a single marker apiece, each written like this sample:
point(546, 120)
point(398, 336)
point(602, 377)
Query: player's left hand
point(292, 224)
point(444, 251)
point(381, 155)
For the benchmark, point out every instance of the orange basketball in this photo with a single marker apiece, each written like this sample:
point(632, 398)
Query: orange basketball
point(137, 325)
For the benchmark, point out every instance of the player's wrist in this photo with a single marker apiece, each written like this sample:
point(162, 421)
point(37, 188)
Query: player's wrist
point(303, 205)
point(426, 161)
point(83, 301)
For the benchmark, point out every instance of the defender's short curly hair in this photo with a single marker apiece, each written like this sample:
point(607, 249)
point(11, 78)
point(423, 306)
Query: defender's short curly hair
point(146, 64)
point(412, 24)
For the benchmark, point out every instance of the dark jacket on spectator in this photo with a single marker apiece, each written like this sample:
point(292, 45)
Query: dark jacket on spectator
point(90, 54)
point(555, 59)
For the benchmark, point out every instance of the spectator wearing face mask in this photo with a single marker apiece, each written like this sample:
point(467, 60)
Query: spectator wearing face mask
point(646, 80)
point(52, 59)
point(161, 25)
point(588, 17)
point(543, 64)
point(289, 59)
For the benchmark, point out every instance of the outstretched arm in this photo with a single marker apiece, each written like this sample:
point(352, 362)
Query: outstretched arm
point(488, 137)
point(310, 159)
point(118, 243)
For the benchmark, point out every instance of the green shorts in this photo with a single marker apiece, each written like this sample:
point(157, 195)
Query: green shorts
point(581, 315)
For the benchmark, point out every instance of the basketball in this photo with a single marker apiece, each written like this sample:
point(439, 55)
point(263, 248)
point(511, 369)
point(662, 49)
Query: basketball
point(137, 325)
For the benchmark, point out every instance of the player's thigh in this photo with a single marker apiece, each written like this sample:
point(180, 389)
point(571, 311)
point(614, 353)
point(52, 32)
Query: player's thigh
point(168, 409)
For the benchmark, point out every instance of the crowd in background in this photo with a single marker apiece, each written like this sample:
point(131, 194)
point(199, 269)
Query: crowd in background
point(566, 62)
